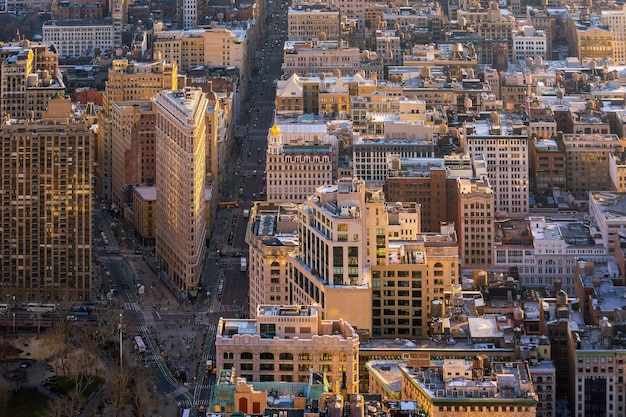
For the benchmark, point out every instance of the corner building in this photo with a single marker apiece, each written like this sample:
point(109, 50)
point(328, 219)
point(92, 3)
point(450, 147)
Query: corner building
point(180, 179)
point(286, 343)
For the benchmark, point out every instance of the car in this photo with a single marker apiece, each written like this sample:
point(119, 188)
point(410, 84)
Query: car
point(25, 365)
point(237, 254)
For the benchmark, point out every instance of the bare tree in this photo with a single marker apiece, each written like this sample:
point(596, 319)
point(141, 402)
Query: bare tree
point(117, 388)
point(5, 395)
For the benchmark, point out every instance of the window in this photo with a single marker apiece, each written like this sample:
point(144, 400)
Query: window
point(245, 355)
point(267, 356)
point(285, 356)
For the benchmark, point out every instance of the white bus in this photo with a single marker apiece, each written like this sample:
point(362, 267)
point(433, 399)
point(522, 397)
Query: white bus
point(41, 308)
point(141, 347)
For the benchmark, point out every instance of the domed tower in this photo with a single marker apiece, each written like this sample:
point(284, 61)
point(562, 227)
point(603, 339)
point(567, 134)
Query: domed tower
point(274, 141)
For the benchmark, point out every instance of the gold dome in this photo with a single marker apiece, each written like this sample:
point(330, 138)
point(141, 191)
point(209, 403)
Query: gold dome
point(275, 130)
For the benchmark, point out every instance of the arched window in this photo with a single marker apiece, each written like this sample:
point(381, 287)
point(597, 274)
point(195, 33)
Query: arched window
point(285, 356)
point(245, 355)
point(267, 356)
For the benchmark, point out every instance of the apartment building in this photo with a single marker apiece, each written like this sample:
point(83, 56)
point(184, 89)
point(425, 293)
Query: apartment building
point(316, 58)
point(218, 46)
point(75, 38)
point(476, 218)
point(189, 14)
point(588, 37)
point(180, 179)
point(296, 167)
point(46, 200)
point(616, 21)
point(418, 269)
point(529, 42)
point(464, 388)
point(133, 126)
point(587, 161)
point(30, 76)
point(547, 164)
point(272, 236)
point(506, 151)
point(307, 22)
point(288, 342)
point(371, 154)
point(605, 208)
point(128, 82)
point(545, 252)
point(388, 47)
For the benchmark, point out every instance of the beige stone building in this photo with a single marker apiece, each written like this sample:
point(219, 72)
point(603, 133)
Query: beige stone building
point(285, 343)
point(299, 164)
point(46, 206)
point(315, 58)
point(271, 238)
point(460, 387)
point(30, 76)
point(219, 46)
point(313, 22)
point(180, 180)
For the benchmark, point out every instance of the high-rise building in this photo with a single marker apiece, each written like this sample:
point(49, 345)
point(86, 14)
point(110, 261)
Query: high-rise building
point(271, 240)
point(295, 169)
point(505, 149)
point(46, 206)
point(476, 218)
point(132, 148)
point(180, 178)
point(30, 76)
point(127, 82)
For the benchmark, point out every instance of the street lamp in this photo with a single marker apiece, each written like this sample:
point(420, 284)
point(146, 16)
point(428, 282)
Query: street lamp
point(119, 327)
point(13, 322)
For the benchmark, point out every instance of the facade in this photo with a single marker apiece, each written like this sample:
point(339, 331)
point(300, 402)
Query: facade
point(30, 77)
point(417, 270)
point(529, 43)
point(476, 217)
point(130, 82)
point(190, 14)
point(296, 168)
point(313, 22)
point(547, 164)
point(74, 38)
point(616, 20)
point(587, 37)
point(587, 161)
point(545, 252)
point(144, 214)
point(132, 148)
point(319, 57)
point(219, 46)
point(285, 343)
point(46, 201)
point(272, 236)
point(506, 153)
point(180, 180)
point(371, 155)
point(458, 387)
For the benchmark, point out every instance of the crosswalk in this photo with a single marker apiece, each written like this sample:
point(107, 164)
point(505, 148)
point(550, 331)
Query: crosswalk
point(136, 329)
point(193, 403)
point(227, 307)
point(131, 306)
